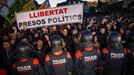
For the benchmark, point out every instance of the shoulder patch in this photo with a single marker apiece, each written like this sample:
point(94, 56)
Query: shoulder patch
point(68, 55)
point(105, 51)
point(47, 58)
point(98, 51)
point(14, 66)
point(3, 71)
point(35, 61)
point(127, 50)
point(78, 54)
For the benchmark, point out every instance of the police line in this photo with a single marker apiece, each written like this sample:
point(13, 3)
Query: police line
point(51, 16)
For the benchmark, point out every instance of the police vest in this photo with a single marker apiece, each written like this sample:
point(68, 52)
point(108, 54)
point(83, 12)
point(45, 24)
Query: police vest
point(89, 59)
point(114, 59)
point(26, 67)
point(131, 52)
point(130, 55)
point(59, 64)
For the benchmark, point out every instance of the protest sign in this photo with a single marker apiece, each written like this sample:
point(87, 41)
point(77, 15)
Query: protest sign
point(7, 8)
point(50, 16)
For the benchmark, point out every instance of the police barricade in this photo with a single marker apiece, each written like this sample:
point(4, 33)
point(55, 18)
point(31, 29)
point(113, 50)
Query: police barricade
point(50, 16)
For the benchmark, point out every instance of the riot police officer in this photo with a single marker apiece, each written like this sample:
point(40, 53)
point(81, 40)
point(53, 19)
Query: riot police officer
point(130, 52)
point(88, 57)
point(114, 56)
point(26, 65)
point(59, 61)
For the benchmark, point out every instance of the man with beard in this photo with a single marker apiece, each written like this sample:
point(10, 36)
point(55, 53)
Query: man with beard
point(39, 51)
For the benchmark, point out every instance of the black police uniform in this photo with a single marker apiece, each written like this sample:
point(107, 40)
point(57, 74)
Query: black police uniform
point(130, 52)
point(88, 57)
point(114, 56)
point(26, 65)
point(60, 64)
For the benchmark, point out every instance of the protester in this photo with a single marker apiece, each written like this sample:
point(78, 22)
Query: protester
point(99, 25)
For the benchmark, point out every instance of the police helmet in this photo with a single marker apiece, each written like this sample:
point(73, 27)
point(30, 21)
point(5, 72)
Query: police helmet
point(114, 37)
point(56, 42)
point(24, 49)
point(86, 36)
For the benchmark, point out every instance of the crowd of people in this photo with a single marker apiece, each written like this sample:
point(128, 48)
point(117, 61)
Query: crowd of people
point(40, 40)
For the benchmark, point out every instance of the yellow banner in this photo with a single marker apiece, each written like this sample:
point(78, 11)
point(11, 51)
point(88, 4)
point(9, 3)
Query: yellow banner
point(17, 6)
point(93, 4)
point(2, 2)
